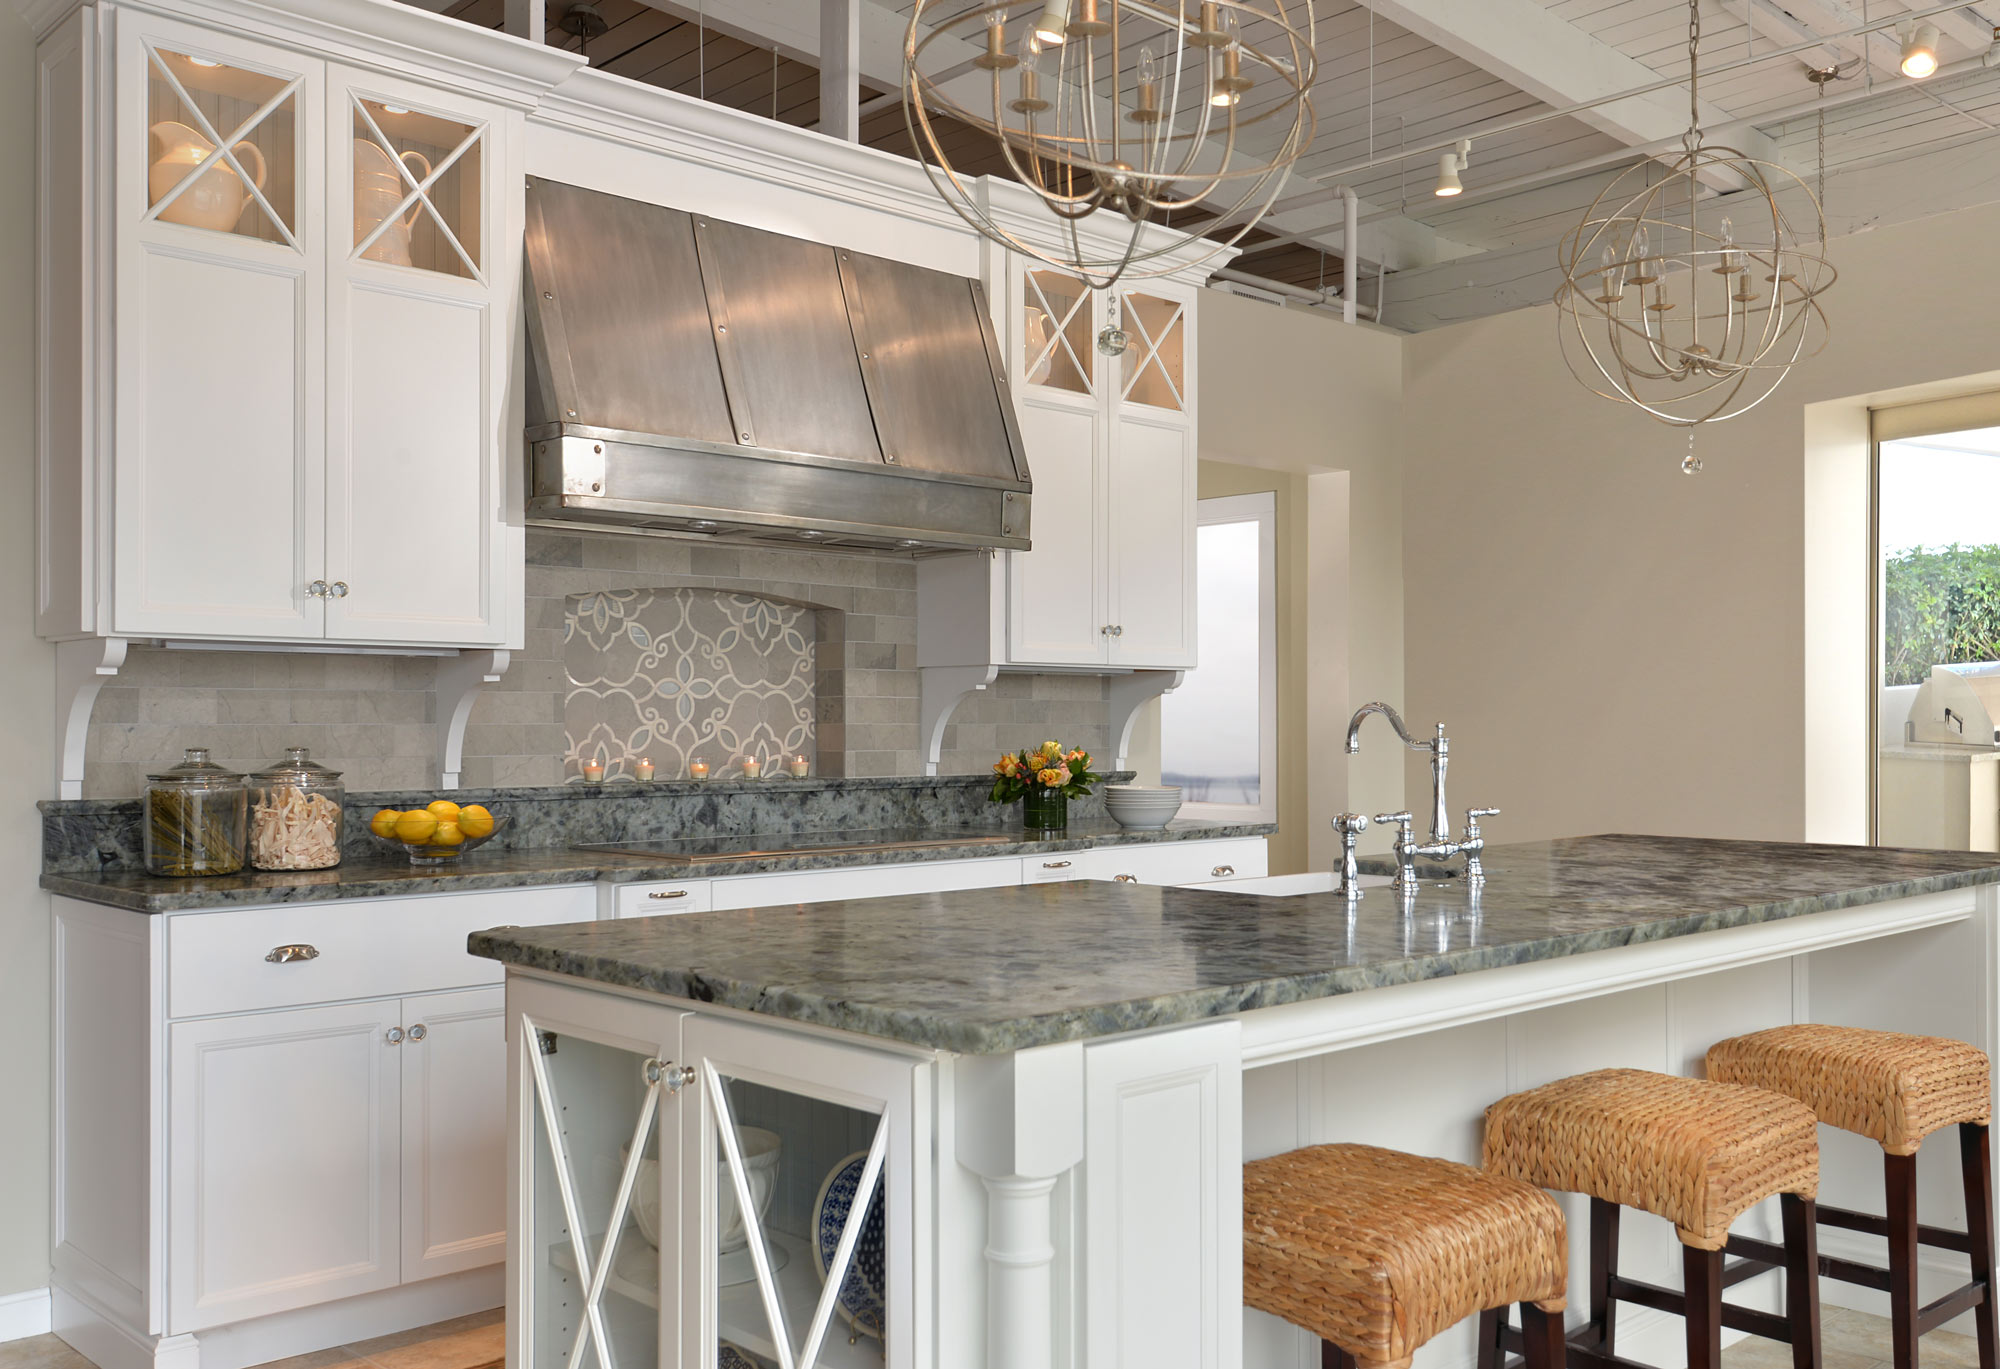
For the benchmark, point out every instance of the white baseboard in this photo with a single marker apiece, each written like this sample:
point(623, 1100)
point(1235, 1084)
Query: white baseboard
point(24, 1314)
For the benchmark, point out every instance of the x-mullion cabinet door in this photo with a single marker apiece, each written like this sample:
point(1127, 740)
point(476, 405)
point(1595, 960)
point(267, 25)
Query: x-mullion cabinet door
point(424, 200)
point(218, 302)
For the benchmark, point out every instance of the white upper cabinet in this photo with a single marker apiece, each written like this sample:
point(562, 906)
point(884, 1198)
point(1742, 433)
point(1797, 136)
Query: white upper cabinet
point(1110, 441)
point(298, 408)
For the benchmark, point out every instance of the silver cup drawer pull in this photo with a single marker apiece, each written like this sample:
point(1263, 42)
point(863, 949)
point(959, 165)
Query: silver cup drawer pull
point(1055, 865)
point(298, 950)
point(668, 893)
point(1223, 871)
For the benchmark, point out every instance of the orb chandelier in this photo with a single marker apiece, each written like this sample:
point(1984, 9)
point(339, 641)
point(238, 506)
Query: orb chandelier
point(1142, 112)
point(1695, 318)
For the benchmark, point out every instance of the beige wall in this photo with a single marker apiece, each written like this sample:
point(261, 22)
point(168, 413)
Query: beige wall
point(1613, 645)
point(27, 693)
point(1299, 392)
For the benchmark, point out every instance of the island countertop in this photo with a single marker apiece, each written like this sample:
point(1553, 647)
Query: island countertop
point(996, 970)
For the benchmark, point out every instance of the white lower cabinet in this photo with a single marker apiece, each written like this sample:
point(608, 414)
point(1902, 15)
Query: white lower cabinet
point(285, 1172)
point(324, 1152)
point(266, 1110)
point(454, 1169)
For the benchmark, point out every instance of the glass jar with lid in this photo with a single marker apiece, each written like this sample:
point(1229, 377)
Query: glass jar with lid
point(195, 818)
point(295, 814)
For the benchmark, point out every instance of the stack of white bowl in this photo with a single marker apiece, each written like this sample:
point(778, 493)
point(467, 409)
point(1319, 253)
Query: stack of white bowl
point(1145, 807)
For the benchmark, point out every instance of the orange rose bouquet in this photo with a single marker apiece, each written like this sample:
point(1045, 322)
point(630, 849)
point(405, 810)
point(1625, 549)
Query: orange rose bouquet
point(1048, 769)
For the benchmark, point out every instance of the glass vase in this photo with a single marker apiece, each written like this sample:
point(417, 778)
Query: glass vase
point(1045, 810)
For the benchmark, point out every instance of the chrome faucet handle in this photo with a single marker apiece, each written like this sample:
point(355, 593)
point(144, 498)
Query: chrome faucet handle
point(1474, 845)
point(1405, 847)
point(1350, 826)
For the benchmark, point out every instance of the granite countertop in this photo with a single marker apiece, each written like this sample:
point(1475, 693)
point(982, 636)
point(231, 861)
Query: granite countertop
point(491, 868)
point(995, 970)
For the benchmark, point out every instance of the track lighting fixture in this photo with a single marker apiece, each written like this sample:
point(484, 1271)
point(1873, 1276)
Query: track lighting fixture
point(1053, 25)
point(1920, 57)
point(1449, 165)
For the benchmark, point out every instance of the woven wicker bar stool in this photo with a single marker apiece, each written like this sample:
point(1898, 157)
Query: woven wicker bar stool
point(1895, 1090)
point(1699, 1154)
point(1375, 1251)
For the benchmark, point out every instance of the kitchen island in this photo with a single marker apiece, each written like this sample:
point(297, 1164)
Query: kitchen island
point(1058, 1084)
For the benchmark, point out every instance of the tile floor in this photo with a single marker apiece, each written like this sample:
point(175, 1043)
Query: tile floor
point(1848, 1340)
point(475, 1342)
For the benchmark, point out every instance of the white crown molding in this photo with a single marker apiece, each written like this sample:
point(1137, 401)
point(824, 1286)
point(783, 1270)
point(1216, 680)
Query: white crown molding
point(615, 108)
point(502, 68)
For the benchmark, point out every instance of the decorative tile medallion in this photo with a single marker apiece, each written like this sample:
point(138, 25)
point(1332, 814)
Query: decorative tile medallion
point(685, 675)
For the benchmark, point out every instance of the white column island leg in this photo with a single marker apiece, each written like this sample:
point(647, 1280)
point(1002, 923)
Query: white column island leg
point(1075, 1203)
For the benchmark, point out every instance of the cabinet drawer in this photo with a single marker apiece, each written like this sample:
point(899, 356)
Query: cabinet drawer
point(658, 900)
point(1177, 862)
point(870, 881)
point(221, 962)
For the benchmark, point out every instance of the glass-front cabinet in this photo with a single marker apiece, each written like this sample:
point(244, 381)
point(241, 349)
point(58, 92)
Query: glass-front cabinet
point(705, 1193)
point(1106, 400)
point(314, 269)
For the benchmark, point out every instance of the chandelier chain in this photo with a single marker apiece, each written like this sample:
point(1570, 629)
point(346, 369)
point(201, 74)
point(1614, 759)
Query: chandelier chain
point(1694, 75)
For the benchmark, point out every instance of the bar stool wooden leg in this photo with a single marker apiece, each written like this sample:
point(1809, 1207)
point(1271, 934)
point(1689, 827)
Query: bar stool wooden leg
point(1489, 1354)
point(1604, 1268)
point(1802, 1278)
point(1975, 1151)
point(1543, 1333)
point(1701, 1278)
point(1899, 1178)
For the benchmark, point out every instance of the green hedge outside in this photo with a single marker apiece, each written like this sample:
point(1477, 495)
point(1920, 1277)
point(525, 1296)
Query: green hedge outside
point(1938, 606)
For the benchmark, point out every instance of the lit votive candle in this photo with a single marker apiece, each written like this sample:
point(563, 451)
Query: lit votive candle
point(697, 770)
point(593, 772)
point(643, 771)
point(799, 767)
point(753, 769)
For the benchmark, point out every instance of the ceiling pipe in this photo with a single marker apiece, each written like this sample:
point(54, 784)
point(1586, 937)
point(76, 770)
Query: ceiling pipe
point(1350, 266)
point(1317, 298)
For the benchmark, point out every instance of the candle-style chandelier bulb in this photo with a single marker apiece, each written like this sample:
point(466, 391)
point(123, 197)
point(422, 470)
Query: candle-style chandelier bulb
point(1028, 96)
point(1146, 99)
point(996, 57)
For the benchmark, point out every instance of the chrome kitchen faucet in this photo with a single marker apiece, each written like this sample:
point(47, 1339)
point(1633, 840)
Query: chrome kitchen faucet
point(1441, 846)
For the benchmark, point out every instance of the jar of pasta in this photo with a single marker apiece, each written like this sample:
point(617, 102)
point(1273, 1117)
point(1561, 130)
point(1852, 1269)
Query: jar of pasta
point(295, 814)
point(194, 819)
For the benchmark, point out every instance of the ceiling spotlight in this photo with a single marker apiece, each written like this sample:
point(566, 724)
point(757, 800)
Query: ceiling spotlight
point(1449, 165)
point(1920, 57)
point(1053, 26)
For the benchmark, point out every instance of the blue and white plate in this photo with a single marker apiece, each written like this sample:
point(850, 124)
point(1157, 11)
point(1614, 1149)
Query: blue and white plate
point(862, 1300)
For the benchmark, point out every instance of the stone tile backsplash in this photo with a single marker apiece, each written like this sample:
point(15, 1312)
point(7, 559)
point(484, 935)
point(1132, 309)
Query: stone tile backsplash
point(374, 716)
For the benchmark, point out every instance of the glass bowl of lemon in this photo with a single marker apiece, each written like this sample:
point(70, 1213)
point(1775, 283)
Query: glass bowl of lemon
point(438, 834)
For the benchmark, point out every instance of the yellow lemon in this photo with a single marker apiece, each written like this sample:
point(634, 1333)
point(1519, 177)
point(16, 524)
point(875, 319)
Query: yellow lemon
point(447, 834)
point(475, 821)
point(444, 810)
point(415, 827)
point(383, 824)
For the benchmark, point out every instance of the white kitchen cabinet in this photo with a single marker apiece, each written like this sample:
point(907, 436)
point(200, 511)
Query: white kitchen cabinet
point(290, 408)
point(1110, 441)
point(285, 1141)
point(605, 1088)
point(265, 1110)
point(454, 1172)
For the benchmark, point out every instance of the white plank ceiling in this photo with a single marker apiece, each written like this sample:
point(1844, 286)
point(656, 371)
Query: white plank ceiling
point(1399, 76)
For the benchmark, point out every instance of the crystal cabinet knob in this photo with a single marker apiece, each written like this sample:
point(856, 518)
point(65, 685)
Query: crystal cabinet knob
point(419, 1032)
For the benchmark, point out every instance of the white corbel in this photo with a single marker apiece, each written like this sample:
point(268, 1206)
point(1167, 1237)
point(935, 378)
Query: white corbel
point(459, 680)
point(82, 668)
point(940, 690)
point(1128, 694)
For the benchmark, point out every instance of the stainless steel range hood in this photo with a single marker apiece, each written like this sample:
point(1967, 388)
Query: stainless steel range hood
point(697, 377)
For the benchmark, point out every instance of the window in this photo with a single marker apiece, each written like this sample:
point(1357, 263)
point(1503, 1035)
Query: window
point(1937, 618)
point(1219, 730)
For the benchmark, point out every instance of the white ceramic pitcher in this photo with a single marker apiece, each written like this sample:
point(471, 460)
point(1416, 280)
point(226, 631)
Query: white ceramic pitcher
point(378, 189)
point(214, 201)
